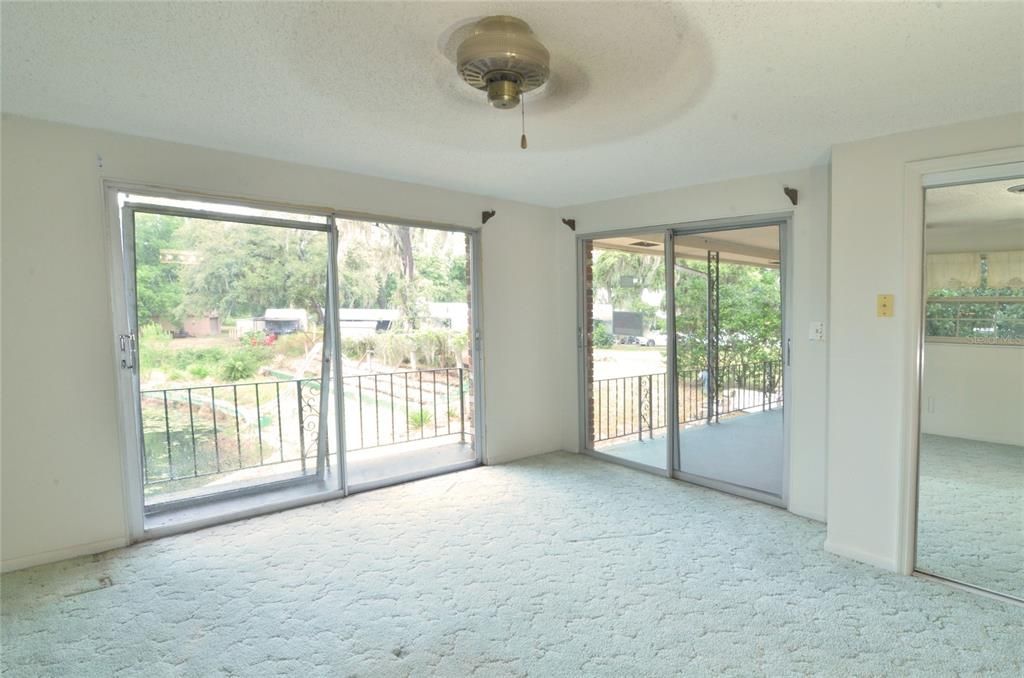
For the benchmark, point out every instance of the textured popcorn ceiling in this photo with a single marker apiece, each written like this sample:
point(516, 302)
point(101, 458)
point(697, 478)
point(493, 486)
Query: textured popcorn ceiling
point(644, 96)
point(987, 202)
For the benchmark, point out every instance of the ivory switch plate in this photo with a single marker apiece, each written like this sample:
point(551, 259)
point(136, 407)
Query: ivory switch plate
point(885, 305)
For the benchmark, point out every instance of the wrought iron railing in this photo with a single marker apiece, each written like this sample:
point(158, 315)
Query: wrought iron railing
point(192, 432)
point(636, 406)
point(199, 431)
point(400, 407)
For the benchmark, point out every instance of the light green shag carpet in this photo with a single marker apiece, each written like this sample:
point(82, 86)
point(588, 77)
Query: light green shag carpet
point(554, 566)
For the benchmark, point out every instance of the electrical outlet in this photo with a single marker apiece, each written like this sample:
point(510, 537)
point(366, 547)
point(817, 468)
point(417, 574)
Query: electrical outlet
point(885, 305)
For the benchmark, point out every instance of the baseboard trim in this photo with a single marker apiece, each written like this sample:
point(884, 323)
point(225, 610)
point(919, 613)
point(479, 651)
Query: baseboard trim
point(811, 515)
point(57, 555)
point(861, 556)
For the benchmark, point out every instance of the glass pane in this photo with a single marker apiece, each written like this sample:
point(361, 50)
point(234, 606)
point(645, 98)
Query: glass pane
point(405, 322)
point(729, 352)
point(626, 347)
point(230, 319)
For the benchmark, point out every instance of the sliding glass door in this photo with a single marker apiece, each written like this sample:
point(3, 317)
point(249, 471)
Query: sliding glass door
point(624, 345)
point(281, 352)
point(681, 342)
point(406, 325)
point(729, 359)
point(227, 349)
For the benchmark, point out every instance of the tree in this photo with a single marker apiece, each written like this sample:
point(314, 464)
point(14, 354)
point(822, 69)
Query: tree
point(243, 269)
point(750, 327)
point(610, 267)
point(157, 283)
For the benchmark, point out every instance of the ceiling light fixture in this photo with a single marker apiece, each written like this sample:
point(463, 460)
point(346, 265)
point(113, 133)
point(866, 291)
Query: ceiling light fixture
point(503, 58)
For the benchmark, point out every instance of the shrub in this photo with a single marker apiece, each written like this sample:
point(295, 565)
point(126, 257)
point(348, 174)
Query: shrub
point(602, 337)
point(152, 333)
point(296, 345)
point(420, 418)
point(355, 349)
point(243, 363)
point(199, 371)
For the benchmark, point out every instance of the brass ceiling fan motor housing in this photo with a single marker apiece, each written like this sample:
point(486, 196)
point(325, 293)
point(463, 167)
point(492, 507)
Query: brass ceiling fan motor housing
point(503, 58)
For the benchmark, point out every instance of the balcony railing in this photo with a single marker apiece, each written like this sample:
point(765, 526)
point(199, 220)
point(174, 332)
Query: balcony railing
point(199, 431)
point(399, 407)
point(637, 406)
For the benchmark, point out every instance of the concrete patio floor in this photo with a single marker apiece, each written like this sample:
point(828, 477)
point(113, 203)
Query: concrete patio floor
point(744, 450)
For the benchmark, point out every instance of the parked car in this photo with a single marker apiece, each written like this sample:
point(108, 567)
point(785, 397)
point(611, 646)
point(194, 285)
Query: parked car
point(655, 339)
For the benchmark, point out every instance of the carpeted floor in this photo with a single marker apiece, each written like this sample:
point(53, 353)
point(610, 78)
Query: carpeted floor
point(971, 512)
point(558, 565)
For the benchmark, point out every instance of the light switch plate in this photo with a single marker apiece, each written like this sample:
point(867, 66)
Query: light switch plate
point(816, 331)
point(885, 305)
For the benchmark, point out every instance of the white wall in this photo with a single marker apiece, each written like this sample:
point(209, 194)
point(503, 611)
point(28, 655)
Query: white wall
point(61, 455)
point(809, 261)
point(869, 361)
point(974, 391)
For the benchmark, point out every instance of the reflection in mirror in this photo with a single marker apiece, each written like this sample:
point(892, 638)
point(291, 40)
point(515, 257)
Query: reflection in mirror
point(971, 455)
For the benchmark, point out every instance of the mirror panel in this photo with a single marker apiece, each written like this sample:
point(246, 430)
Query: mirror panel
point(971, 452)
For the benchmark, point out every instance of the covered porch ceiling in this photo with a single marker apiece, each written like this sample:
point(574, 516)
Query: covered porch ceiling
point(758, 246)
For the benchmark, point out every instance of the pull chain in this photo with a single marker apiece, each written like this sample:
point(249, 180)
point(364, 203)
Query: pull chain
point(522, 107)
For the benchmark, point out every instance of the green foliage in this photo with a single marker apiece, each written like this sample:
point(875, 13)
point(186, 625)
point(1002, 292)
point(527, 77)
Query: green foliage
point(749, 314)
point(233, 364)
point(154, 334)
point(430, 347)
point(646, 270)
point(240, 270)
point(446, 277)
point(296, 345)
point(159, 291)
point(602, 336)
point(957, 315)
point(357, 348)
point(236, 368)
point(420, 418)
point(243, 269)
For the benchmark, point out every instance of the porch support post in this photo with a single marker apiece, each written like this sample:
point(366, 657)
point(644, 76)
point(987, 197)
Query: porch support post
point(712, 385)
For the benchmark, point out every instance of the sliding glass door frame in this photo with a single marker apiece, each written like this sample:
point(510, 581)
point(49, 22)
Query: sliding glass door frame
point(719, 225)
point(128, 352)
point(784, 222)
point(120, 212)
point(583, 376)
point(476, 340)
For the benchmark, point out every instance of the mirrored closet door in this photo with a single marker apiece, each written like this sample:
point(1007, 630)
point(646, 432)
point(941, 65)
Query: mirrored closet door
point(970, 525)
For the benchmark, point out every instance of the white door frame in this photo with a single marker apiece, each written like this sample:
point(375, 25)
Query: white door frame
point(917, 176)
